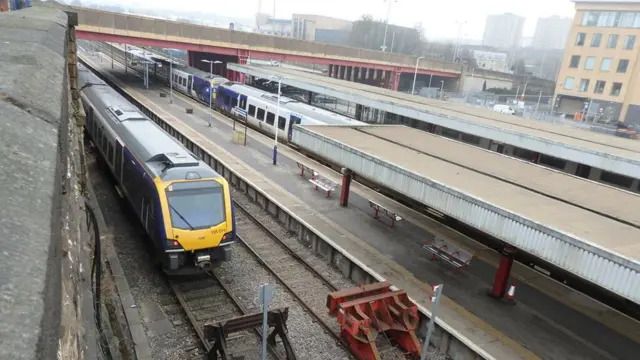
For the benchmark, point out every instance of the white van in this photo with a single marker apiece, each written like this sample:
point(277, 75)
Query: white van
point(503, 109)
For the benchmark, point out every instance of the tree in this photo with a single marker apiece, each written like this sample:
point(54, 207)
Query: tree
point(484, 86)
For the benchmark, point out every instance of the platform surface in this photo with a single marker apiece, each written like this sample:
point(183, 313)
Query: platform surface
point(539, 323)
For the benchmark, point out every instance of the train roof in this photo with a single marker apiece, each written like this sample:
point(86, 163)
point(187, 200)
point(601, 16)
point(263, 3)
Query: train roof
point(264, 95)
point(163, 155)
point(197, 72)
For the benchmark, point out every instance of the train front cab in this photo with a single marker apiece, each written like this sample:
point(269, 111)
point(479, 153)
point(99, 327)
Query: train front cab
point(200, 223)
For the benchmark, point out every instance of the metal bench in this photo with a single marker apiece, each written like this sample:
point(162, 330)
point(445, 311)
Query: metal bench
point(449, 253)
point(304, 168)
point(377, 208)
point(323, 183)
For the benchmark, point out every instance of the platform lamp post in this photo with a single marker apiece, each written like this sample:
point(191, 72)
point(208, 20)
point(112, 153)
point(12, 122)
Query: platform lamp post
point(386, 27)
point(210, 62)
point(170, 77)
point(277, 120)
point(441, 89)
point(415, 75)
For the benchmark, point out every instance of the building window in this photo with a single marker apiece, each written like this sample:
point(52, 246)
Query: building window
point(575, 61)
point(590, 63)
point(590, 18)
point(623, 64)
point(622, 19)
point(616, 88)
point(584, 85)
point(629, 42)
point(580, 39)
point(599, 89)
point(606, 64)
point(613, 41)
point(568, 83)
point(596, 39)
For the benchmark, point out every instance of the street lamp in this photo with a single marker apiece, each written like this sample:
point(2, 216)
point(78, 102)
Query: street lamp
point(441, 89)
point(170, 77)
point(415, 75)
point(386, 27)
point(277, 121)
point(210, 84)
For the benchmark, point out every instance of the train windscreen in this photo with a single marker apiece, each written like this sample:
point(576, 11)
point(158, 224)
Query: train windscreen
point(196, 205)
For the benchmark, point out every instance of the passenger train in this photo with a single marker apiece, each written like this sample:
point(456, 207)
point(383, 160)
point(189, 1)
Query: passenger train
point(258, 109)
point(183, 204)
point(196, 83)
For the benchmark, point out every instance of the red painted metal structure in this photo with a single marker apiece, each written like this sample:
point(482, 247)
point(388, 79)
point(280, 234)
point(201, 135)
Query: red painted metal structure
point(504, 271)
point(347, 176)
point(243, 54)
point(364, 311)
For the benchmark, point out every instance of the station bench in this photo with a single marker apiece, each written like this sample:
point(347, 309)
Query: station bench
point(449, 253)
point(309, 170)
point(323, 183)
point(377, 208)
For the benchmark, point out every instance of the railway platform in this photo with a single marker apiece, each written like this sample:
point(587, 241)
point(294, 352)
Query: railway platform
point(542, 325)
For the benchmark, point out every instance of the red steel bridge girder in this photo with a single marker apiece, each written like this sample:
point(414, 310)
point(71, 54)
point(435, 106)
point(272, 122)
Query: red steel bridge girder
point(263, 55)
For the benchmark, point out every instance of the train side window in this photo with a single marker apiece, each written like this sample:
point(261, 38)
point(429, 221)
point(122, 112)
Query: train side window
point(260, 114)
point(282, 122)
point(243, 104)
point(104, 142)
point(270, 118)
point(184, 81)
point(118, 162)
point(252, 110)
point(109, 152)
point(97, 140)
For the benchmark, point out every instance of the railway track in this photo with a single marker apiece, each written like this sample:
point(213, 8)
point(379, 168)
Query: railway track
point(298, 275)
point(298, 285)
point(206, 299)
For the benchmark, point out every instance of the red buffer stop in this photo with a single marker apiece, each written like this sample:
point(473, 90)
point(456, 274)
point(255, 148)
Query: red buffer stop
point(365, 311)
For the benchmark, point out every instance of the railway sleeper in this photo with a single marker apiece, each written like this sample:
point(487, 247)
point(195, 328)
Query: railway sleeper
point(218, 332)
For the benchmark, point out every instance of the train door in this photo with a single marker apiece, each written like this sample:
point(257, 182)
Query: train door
point(118, 161)
point(294, 119)
point(243, 102)
point(189, 84)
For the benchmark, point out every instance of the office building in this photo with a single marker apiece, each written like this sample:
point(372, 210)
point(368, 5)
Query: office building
point(321, 28)
point(598, 80)
point(551, 33)
point(503, 31)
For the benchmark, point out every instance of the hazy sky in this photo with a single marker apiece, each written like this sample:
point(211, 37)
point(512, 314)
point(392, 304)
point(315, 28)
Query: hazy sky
point(438, 17)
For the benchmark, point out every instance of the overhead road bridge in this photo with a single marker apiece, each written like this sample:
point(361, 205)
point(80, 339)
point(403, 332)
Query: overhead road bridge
point(491, 130)
point(139, 30)
point(600, 250)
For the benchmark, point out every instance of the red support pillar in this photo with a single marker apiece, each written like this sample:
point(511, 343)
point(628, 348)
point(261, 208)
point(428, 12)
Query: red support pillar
point(347, 176)
point(396, 80)
point(189, 60)
point(536, 157)
point(501, 281)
